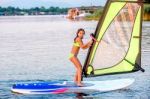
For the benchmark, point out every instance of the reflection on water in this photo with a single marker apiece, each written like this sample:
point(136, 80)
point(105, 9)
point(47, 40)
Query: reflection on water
point(36, 48)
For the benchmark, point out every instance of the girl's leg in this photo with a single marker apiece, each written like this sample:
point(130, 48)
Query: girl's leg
point(76, 77)
point(79, 72)
point(77, 63)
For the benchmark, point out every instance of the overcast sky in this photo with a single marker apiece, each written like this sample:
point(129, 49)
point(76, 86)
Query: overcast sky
point(48, 3)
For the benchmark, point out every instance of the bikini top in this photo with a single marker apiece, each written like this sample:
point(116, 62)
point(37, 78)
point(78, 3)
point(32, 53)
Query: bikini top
point(76, 44)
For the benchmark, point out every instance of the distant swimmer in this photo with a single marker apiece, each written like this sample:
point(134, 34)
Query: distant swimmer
point(78, 43)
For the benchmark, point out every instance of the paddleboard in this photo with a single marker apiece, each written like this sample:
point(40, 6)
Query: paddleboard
point(69, 86)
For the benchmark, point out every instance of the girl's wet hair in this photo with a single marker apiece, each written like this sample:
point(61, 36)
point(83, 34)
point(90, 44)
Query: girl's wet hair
point(81, 29)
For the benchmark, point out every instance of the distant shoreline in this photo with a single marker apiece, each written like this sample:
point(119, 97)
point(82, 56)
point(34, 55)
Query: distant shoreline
point(146, 17)
point(42, 11)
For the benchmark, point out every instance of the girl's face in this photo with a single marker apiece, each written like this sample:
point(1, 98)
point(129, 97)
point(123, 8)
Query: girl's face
point(81, 34)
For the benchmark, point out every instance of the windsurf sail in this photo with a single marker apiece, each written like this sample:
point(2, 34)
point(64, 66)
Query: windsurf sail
point(119, 35)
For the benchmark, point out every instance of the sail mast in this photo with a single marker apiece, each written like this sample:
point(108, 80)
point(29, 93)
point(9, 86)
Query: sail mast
point(95, 34)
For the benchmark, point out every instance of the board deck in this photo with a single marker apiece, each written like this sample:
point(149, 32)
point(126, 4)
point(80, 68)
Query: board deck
point(69, 86)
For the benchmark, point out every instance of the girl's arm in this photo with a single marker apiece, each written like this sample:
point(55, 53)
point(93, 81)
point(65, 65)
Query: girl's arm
point(84, 46)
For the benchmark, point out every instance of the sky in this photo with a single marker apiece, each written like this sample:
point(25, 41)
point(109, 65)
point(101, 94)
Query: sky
point(48, 3)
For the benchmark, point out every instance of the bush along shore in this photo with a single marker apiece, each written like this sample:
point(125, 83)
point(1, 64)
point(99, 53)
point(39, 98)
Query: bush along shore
point(146, 16)
point(96, 15)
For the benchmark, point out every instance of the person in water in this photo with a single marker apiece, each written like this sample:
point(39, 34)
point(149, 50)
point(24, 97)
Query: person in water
point(78, 43)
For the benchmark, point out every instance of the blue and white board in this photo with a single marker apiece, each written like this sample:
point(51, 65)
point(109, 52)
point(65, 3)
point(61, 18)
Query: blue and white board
point(69, 86)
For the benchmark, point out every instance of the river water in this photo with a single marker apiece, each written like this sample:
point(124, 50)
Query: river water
point(36, 48)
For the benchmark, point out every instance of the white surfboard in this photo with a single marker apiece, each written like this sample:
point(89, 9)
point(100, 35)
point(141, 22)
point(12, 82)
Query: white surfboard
point(69, 86)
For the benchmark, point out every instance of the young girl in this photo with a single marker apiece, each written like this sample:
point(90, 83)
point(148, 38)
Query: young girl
point(74, 52)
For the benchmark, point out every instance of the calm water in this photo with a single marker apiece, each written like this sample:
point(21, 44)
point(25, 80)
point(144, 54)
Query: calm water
point(36, 48)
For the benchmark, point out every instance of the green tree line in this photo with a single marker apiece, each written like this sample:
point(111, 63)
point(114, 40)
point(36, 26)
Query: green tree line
point(147, 8)
point(32, 11)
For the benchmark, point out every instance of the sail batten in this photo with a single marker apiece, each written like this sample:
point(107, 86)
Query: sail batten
point(118, 51)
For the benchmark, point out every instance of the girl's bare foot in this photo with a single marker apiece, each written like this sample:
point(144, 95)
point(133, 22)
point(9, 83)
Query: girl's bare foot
point(80, 84)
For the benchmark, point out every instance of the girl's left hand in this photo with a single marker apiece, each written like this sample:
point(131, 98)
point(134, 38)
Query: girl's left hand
point(90, 43)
